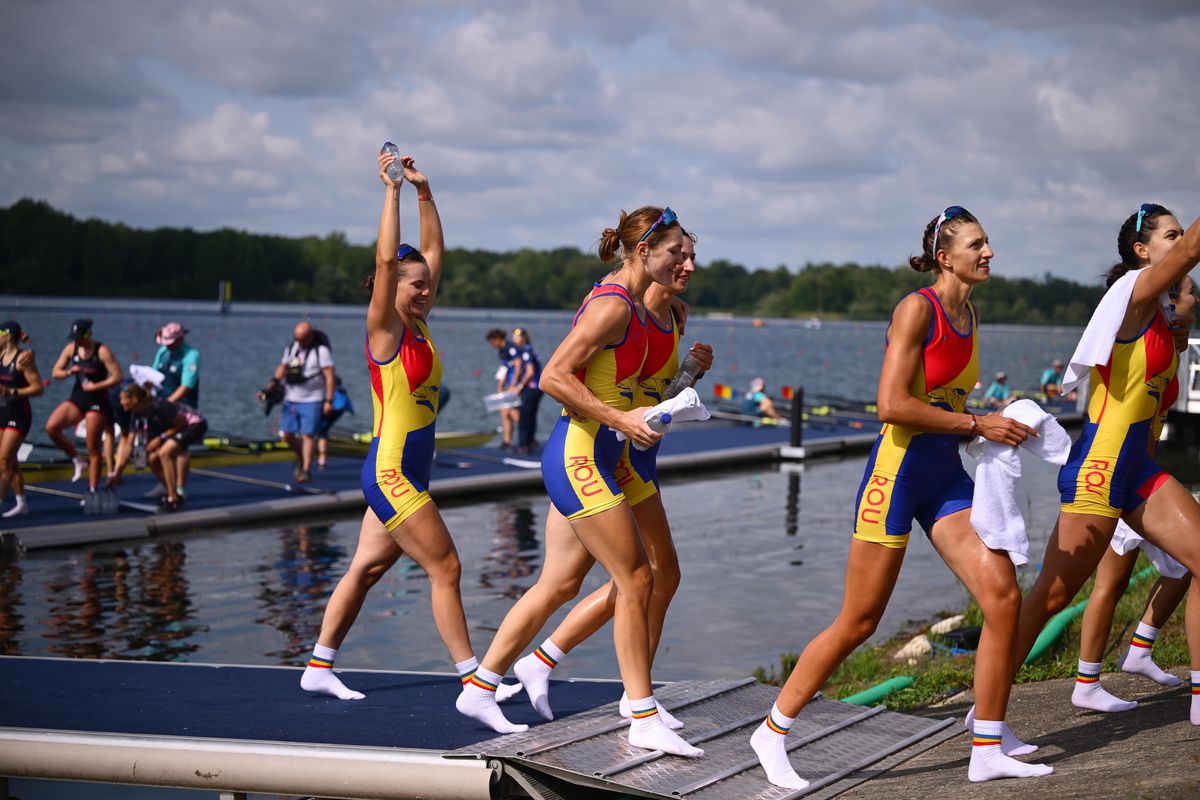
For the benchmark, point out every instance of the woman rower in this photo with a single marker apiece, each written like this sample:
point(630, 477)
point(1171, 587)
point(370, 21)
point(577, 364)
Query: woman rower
point(96, 370)
point(168, 430)
point(1129, 352)
point(19, 381)
point(593, 374)
point(406, 375)
point(637, 474)
point(930, 365)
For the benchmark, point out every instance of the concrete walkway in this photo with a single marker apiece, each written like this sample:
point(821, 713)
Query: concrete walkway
point(1152, 751)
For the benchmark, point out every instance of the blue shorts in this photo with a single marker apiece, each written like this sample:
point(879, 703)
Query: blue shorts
point(580, 468)
point(1110, 471)
point(924, 481)
point(302, 418)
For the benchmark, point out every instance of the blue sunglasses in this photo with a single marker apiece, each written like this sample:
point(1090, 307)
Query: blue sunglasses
point(1143, 210)
point(667, 217)
point(406, 250)
point(950, 213)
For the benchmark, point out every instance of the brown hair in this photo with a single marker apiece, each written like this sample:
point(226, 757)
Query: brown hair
point(630, 230)
point(927, 261)
point(1129, 235)
point(137, 392)
point(414, 257)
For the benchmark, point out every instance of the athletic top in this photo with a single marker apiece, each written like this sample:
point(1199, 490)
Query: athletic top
point(12, 378)
point(404, 398)
point(1130, 388)
point(161, 415)
point(529, 356)
point(612, 374)
point(90, 369)
point(662, 361)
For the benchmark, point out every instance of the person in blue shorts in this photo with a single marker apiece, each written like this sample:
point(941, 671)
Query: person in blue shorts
point(306, 372)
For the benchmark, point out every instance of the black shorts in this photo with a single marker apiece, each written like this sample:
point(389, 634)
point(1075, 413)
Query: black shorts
point(16, 414)
point(91, 402)
point(192, 434)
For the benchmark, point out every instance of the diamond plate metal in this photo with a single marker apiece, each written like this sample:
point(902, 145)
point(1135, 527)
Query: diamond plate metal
point(590, 750)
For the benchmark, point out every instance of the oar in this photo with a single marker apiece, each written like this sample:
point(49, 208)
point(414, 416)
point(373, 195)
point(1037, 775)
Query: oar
point(33, 487)
point(520, 463)
point(782, 423)
point(287, 487)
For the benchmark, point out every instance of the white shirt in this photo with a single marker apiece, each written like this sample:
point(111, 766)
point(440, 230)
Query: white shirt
point(315, 359)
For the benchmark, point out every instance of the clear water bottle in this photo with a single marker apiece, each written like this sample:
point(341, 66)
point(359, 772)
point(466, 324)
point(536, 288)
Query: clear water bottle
point(395, 170)
point(684, 376)
point(111, 502)
point(659, 423)
point(89, 502)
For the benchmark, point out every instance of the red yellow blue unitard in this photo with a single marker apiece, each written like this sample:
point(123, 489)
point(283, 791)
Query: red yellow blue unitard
point(637, 471)
point(404, 398)
point(1110, 470)
point(915, 475)
point(579, 462)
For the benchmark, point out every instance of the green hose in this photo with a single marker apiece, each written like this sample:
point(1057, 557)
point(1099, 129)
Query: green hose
point(1049, 635)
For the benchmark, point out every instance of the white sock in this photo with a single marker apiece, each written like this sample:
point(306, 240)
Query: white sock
point(668, 719)
point(1088, 692)
point(647, 730)
point(988, 761)
point(478, 701)
point(1010, 745)
point(466, 669)
point(318, 676)
point(1196, 697)
point(20, 508)
point(1139, 660)
point(770, 744)
point(81, 466)
point(533, 671)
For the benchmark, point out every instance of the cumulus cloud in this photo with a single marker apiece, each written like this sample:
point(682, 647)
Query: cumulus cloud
point(783, 132)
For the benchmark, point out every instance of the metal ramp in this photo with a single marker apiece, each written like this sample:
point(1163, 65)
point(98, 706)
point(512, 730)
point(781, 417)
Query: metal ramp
point(833, 745)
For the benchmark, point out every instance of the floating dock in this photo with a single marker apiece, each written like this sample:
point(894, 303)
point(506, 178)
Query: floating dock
point(236, 729)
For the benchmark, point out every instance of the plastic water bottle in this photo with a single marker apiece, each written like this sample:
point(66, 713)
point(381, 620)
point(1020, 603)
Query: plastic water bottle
point(684, 376)
point(659, 423)
point(111, 502)
point(395, 170)
point(89, 502)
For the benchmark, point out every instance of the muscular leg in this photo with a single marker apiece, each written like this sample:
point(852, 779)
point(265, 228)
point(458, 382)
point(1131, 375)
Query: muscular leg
point(67, 415)
point(1164, 598)
point(183, 463)
point(1112, 578)
point(10, 440)
point(97, 424)
point(375, 554)
point(307, 446)
point(166, 465)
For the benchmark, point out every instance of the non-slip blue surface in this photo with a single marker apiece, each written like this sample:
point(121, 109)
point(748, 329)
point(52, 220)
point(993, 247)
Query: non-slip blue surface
point(259, 704)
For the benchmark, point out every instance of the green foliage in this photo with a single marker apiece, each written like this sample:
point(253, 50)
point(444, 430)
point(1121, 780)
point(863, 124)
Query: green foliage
point(44, 251)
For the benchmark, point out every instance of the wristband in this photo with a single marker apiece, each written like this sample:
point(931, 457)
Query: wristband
point(974, 424)
point(163, 436)
point(427, 197)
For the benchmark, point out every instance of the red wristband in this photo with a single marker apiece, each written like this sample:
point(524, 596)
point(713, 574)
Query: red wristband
point(974, 424)
point(425, 197)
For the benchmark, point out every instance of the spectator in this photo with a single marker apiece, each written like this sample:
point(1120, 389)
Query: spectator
point(757, 403)
point(341, 404)
point(529, 371)
point(1052, 379)
point(306, 371)
point(179, 363)
point(998, 395)
point(505, 381)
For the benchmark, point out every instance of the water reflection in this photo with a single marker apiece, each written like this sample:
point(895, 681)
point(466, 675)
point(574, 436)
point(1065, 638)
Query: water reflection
point(122, 604)
point(293, 591)
point(792, 516)
point(516, 551)
point(11, 619)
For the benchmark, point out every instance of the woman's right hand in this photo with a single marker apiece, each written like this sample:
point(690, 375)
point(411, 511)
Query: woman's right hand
point(998, 428)
point(385, 160)
point(633, 425)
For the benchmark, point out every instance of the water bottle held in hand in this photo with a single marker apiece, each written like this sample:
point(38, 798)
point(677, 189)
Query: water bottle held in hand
point(395, 170)
point(684, 376)
point(659, 423)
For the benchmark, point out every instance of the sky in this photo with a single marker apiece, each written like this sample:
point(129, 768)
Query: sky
point(781, 132)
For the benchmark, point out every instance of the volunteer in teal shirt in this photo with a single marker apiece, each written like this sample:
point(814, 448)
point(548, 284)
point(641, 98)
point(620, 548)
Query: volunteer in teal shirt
point(179, 363)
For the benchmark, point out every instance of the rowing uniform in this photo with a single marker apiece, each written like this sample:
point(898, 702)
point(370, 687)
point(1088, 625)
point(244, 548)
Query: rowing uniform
point(1110, 470)
point(580, 460)
point(15, 412)
point(637, 471)
point(913, 474)
point(90, 369)
point(404, 398)
point(161, 415)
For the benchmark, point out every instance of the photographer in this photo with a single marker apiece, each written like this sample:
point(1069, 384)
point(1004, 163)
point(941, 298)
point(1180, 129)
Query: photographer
point(306, 373)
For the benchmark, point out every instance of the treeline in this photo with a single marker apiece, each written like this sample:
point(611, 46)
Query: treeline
point(44, 251)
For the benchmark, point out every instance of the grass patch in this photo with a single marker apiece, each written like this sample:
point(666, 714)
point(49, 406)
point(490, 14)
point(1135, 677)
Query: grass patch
point(940, 675)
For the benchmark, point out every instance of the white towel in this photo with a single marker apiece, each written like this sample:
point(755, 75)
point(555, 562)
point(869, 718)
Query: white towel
point(683, 407)
point(1095, 346)
point(142, 374)
point(1125, 540)
point(994, 512)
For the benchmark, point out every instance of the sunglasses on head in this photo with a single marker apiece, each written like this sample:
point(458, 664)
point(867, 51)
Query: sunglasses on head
point(404, 251)
point(950, 213)
point(667, 217)
point(1143, 210)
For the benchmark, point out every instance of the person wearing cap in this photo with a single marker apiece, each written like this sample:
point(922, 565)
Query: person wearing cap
point(179, 364)
point(529, 369)
point(998, 395)
point(168, 428)
point(506, 379)
point(306, 372)
point(1052, 379)
point(19, 381)
point(758, 403)
point(95, 370)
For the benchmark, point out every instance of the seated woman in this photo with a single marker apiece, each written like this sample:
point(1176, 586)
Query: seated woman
point(167, 429)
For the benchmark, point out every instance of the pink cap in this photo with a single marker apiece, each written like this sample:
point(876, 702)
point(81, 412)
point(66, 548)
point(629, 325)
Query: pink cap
point(170, 334)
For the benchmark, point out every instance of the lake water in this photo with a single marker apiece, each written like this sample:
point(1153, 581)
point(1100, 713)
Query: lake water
point(256, 596)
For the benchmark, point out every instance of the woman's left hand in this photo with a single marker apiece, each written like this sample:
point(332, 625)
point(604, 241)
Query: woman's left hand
point(412, 174)
point(87, 386)
point(703, 354)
